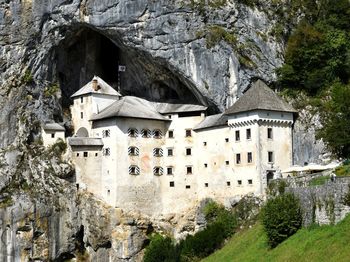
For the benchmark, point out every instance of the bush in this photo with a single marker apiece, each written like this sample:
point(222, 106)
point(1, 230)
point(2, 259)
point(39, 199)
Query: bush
point(281, 218)
point(161, 249)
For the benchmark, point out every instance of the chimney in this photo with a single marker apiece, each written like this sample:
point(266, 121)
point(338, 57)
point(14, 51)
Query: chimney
point(95, 85)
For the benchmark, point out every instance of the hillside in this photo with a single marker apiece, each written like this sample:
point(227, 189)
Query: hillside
point(321, 243)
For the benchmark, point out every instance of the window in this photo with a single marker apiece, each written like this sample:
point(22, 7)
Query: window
point(132, 132)
point(188, 151)
point(237, 135)
point(81, 99)
point(53, 135)
point(189, 170)
point(133, 151)
point(227, 163)
point(238, 158)
point(171, 134)
point(188, 186)
point(250, 157)
point(249, 134)
point(86, 154)
point(169, 116)
point(145, 133)
point(205, 165)
point(106, 151)
point(108, 192)
point(228, 183)
point(157, 134)
point(157, 152)
point(106, 133)
point(81, 115)
point(172, 184)
point(134, 170)
point(158, 171)
point(250, 182)
point(77, 154)
point(96, 154)
point(204, 143)
point(169, 170)
point(270, 157)
point(239, 182)
point(188, 133)
point(206, 184)
point(269, 133)
point(227, 140)
point(170, 152)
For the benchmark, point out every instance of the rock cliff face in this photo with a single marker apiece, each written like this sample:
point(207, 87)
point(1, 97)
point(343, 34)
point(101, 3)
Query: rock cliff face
point(172, 50)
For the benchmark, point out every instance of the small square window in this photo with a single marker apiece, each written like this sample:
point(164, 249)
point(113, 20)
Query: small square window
point(205, 165)
point(206, 184)
point(239, 182)
point(249, 134)
point(81, 115)
point(86, 154)
point(204, 143)
point(238, 159)
point(170, 152)
point(188, 133)
point(77, 154)
point(169, 116)
point(237, 135)
point(250, 157)
point(228, 183)
point(227, 163)
point(250, 181)
point(188, 151)
point(171, 134)
point(169, 170)
point(96, 154)
point(189, 170)
point(172, 184)
point(52, 135)
point(188, 186)
point(269, 133)
point(227, 140)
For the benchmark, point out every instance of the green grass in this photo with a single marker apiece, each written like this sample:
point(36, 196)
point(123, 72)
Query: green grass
point(320, 243)
point(319, 181)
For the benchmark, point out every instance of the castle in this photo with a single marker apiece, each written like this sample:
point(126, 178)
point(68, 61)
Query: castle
point(164, 157)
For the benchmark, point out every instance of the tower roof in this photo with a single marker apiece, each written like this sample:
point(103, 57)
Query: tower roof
point(260, 96)
point(102, 88)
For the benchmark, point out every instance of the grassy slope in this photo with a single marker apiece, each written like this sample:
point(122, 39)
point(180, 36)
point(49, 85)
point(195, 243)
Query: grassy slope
point(324, 243)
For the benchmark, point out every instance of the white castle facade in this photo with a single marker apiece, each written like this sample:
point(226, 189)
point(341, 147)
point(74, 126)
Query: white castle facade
point(163, 157)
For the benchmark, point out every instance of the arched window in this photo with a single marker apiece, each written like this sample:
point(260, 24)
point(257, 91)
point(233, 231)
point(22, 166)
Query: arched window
point(82, 132)
point(157, 134)
point(145, 133)
point(133, 151)
point(134, 170)
point(158, 171)
point(132, 132)
point(157, 152)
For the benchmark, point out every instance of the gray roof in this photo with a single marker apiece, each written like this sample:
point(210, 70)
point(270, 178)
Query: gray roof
point(212, 121)
point(166, 108)
point(53, 127)
point(105, 89)
point(85, 141)
point(130, 106)
point(260, 96)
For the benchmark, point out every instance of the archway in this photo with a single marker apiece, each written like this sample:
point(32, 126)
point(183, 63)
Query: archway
point(82, 132)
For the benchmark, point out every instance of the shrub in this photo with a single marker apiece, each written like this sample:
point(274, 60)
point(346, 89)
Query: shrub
point(281, 218)
point(59, 147)
point(27, 77)
point(161, 249)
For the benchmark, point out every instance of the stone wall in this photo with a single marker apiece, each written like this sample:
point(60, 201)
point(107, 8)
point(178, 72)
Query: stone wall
point(323, 204)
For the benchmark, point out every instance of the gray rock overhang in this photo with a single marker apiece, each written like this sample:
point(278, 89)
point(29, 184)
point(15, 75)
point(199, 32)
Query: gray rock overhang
point(53, 127)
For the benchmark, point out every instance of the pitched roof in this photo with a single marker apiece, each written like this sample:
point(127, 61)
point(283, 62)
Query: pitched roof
point(166, 108)
point(104, 88)
point(260, 96)
point(130, 106)
point(212, 121)
point(85, 141)
point(54, 127)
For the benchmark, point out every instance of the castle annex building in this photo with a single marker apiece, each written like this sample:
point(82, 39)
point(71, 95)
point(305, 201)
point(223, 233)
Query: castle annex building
point(164, 157)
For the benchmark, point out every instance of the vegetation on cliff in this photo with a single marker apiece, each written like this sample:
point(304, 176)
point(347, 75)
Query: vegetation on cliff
point(317, 243)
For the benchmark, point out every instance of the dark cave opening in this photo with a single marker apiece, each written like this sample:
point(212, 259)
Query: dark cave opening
point(86, 52)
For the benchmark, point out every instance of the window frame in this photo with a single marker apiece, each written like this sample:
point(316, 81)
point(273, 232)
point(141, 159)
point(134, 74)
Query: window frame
point(250, 157)
point(248, 134)
point(270, 153)
point(188, 151)
point(189, 168)
point(270, 133)
point(188, 132)
point(238, 159)
point(172, 134)
point(237, 136)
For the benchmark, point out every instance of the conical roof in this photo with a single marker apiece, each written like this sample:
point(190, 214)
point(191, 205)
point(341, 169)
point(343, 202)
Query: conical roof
point(104, 88)
point(260, 96)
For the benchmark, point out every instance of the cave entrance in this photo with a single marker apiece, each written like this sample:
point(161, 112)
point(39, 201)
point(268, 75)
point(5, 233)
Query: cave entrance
point(81, 56)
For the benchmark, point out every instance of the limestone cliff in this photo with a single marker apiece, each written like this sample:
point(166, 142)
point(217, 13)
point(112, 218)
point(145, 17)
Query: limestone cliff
point(194, 51)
